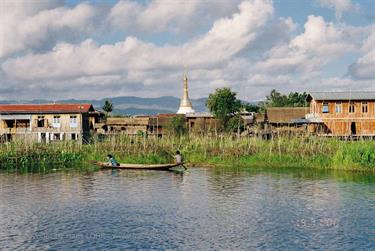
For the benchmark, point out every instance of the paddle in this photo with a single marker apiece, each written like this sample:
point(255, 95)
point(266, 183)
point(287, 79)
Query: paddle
point(183, 166)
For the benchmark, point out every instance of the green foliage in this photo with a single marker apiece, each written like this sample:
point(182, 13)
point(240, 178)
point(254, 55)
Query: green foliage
point(293, 99)
point(223, 104)
point(355, 154)
point(250, 107)
point(141, 133)
point(177, 125)
point(107, 107)
point(299, 152)
point(235, 124)
point(17, 155)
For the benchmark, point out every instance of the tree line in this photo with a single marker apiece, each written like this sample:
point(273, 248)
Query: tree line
point(225, 105)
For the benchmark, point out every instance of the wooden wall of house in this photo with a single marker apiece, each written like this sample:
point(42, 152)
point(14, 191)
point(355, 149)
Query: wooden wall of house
point(64, 123)
point(30, 131)
point(202, 124)
point(127, 129)
point(345, 122)
point(2, 125)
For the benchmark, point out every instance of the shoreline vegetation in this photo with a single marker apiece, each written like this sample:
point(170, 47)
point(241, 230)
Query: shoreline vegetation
point(226, 151)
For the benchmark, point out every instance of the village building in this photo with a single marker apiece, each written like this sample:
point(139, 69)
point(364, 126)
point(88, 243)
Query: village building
point(285, 121)
point(47, 122)
point(132, 126)
point(161, 123)
point(285, 116)
point(124, 125)
point(156, 125)
point(202, 122)
point(205, 122)
point(342, 113)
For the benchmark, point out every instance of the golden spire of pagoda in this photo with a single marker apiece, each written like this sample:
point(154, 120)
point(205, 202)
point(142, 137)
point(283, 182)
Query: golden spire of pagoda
point(185, 105)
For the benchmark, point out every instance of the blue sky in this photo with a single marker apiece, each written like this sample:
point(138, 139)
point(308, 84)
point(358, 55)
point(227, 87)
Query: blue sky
point(93, 49)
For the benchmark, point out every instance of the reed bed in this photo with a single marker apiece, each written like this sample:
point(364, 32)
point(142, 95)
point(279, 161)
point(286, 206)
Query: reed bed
point(224, 150)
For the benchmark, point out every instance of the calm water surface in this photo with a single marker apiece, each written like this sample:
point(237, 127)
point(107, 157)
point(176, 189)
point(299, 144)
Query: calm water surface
point(202, 209)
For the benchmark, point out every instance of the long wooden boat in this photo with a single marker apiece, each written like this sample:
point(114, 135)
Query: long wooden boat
point(159, 167)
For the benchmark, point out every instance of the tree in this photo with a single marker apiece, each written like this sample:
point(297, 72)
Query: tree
point(235, 123)
point(223, 104)
point(250, 107)
point(294, 99)
point(297, 99)
point(276, 99)
point(177, 125)
point(108, 107)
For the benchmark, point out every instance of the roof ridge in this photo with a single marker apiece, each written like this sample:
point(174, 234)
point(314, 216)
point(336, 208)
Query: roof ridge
point(341, 92)
point(48, 104)
point(52, 108)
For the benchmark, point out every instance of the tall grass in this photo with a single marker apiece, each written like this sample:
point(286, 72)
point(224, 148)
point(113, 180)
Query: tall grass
point(299, 152)
point(30, 157)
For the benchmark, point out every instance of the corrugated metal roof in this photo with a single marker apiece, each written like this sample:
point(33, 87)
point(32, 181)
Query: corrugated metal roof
point(45, 108)
point(343, 95)
point(15, 117)
point(307, 121)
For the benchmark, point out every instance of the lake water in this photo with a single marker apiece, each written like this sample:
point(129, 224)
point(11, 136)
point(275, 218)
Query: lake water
point(201, 209)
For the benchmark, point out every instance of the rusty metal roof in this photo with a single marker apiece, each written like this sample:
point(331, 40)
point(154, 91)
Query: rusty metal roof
point(45, 108)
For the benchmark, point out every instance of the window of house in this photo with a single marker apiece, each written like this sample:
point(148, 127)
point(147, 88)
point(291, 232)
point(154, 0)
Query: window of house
point(40, 121)
point(351, 107)
point(73, 121)
point(56, 136)
point(56, 121)
point(364, 107)
point(24, 123)
point(10, 123)
point(74, 136)
point(325, 108)
point(338, 107)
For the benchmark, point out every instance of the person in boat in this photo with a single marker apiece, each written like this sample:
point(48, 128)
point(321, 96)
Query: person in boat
point(111, 160)
point(178, 157)
point(179, 160)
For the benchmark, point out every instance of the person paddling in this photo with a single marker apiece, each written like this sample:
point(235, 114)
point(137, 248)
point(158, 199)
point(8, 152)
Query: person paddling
point(178, 159)
point(111, 160)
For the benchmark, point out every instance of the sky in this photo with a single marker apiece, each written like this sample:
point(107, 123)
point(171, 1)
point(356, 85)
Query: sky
point(60, 49)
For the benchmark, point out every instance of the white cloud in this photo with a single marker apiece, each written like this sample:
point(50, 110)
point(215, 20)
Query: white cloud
point(364, 68)
point(225, 39)
point(25, 26)
point(166, 15)
point(309, 52)
point(53, 51)
point(340, 6)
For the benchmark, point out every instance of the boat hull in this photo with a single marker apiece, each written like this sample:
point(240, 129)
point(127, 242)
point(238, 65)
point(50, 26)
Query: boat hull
point(159, 167)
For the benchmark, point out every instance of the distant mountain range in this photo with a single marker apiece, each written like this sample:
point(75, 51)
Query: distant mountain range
point(129, 105)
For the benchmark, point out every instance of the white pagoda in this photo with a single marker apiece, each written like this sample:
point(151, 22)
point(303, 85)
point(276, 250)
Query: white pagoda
point(185, 105)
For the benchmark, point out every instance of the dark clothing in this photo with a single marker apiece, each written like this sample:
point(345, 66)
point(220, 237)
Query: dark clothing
point(113, 162)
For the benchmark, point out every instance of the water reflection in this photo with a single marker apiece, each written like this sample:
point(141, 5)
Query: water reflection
point(205, 208)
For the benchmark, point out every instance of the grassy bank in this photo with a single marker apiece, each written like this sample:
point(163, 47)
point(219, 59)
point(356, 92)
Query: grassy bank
point(309, 152)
